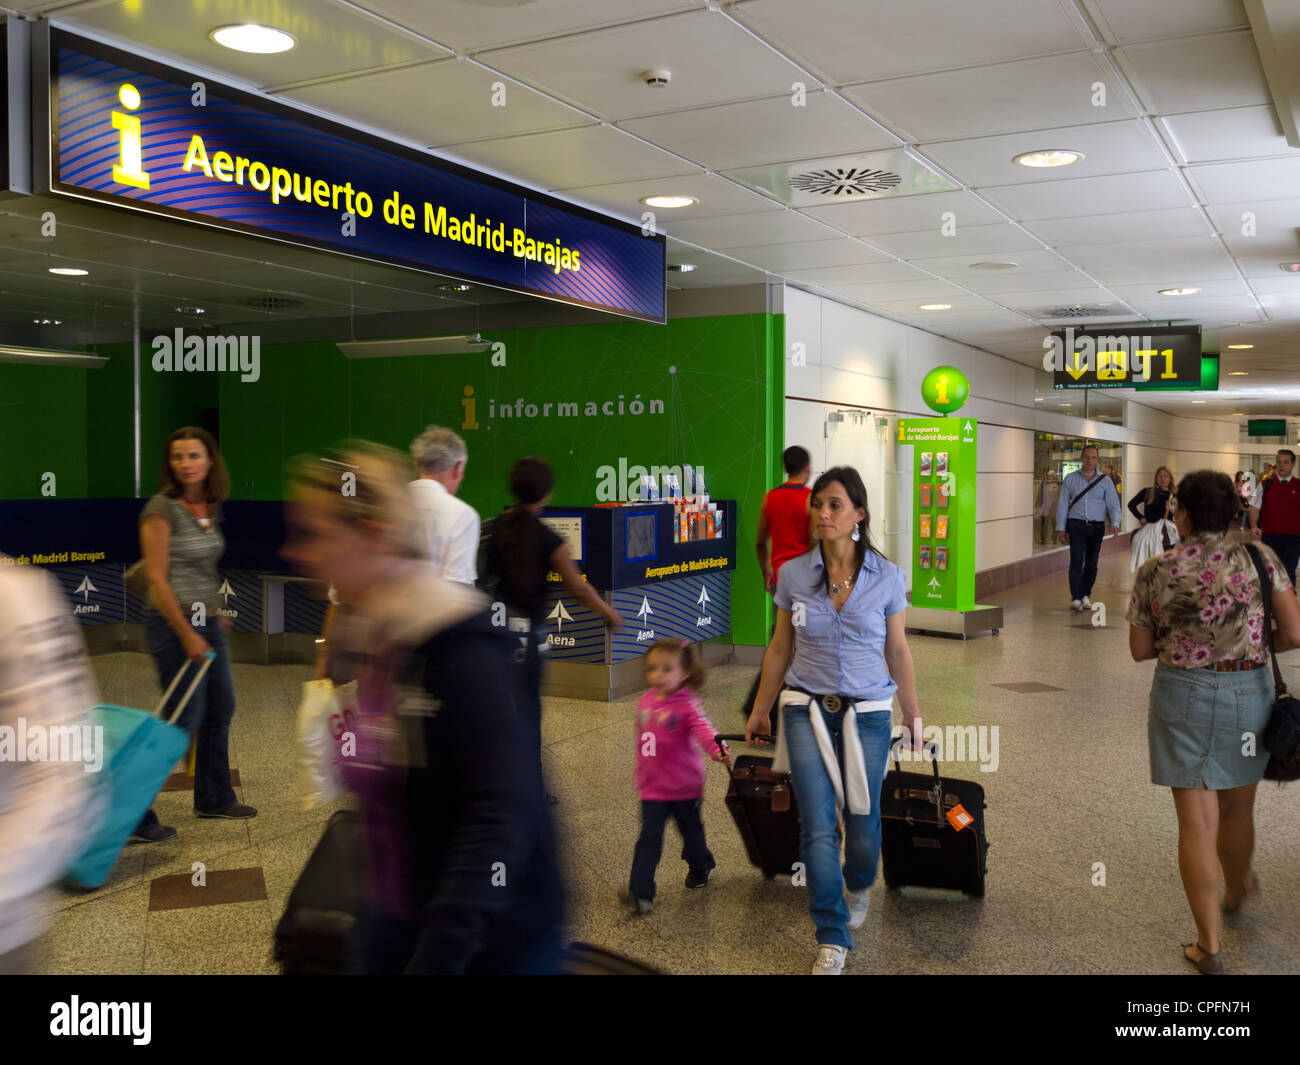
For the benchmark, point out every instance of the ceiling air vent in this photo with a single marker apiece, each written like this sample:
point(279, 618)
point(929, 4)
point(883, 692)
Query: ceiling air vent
point(272, 303)
point(846, 181)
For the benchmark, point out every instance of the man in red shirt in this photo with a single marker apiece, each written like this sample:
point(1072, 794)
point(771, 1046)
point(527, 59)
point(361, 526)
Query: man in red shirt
point(784, 520)
point(784, 517)
point(1275, 512)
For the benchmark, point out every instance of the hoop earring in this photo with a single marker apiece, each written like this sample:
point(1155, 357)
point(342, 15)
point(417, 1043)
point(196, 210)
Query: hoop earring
point(856, 535)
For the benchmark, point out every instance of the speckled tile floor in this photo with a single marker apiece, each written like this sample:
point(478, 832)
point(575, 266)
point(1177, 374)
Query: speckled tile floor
point(1070, 790)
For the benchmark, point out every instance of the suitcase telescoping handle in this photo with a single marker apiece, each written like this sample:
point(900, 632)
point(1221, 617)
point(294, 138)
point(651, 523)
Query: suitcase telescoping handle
point(896, 744)
point(736, 737)
point(180, 705)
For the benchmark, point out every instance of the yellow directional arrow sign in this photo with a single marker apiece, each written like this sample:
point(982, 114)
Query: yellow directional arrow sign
point(1076, 371)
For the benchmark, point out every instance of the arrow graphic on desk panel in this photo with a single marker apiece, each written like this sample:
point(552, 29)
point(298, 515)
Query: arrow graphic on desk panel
point(559, 615)
point(934, 582)
point(85, 588)
point(645, 608)
point(227, 591)
point(704, 596)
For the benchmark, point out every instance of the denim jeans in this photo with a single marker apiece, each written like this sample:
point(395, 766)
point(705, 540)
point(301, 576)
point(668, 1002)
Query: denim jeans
point(819, 842)
point(208, 712)
point(649, 845)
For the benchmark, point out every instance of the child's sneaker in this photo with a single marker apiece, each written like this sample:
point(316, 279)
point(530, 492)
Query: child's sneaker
point(643, 906)
point(698, 877)
point(830, 960)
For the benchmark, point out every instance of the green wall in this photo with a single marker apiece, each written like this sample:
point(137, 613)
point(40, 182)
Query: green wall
point(43, 430)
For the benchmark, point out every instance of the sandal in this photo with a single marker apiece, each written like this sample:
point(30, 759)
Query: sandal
point(1208, 964)
point(1232, 908)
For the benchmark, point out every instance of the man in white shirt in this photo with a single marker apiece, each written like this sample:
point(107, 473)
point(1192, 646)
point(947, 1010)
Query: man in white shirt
point(449, 526)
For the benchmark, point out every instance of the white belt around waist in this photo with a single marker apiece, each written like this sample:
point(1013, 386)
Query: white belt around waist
point(852, 790)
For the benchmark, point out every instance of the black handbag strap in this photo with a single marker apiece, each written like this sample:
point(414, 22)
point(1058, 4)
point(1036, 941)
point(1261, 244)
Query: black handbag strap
point(1091, 485)
point(1266, 593)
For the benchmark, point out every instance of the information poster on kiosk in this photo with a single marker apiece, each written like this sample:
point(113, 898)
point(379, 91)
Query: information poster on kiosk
point(943, 502)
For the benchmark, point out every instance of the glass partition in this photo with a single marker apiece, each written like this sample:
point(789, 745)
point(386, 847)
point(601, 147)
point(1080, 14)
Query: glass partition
point(1056, 455)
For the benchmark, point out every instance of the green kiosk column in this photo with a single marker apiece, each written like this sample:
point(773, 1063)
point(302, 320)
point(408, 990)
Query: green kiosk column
point(943, 508)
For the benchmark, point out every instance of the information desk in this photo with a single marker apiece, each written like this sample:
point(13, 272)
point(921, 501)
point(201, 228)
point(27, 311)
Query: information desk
point(662, 590)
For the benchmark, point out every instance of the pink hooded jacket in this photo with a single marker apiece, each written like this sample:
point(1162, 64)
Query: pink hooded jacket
point(668, 767)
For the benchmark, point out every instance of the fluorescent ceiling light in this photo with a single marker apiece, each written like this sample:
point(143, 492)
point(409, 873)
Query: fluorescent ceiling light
point(249, 37)
point(681, 268)
point(1048, 157)
point(669, 201)
point(443, 345)
point(1240, 347)
point(69, 271)
point(1198, 401)
point(1179, 291)
point(49, 357)
point(936, 306)
point(1238, 373)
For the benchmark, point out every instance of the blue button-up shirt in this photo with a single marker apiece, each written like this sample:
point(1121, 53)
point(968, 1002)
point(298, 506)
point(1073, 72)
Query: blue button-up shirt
point(841, 653)
point(1100, 504)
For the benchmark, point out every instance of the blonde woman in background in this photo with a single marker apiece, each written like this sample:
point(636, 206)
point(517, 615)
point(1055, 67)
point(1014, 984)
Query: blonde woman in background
point(1154, 508)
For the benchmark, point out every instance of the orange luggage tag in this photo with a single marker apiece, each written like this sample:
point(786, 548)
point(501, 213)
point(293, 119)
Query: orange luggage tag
point(959, 818)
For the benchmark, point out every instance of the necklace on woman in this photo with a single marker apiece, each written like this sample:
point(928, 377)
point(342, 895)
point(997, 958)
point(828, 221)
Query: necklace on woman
point(843, 586)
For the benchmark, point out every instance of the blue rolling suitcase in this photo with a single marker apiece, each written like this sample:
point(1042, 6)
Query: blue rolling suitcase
point(140, 751)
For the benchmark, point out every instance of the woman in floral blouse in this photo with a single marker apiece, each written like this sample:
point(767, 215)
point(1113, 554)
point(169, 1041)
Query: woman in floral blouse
point(1198, 609)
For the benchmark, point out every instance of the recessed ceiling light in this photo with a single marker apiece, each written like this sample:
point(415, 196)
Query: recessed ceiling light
point(1179, 291)
point(936, 306)
point(681, 268)
point(46, 321)
point(69, 271)
point(1038, 399)
point(250, 37)
point(1240, 347)
point(1048, 157)
point(669, 201)
point(1198, 401)
point(1238, 413)
point(994, 266)
point(1065, 404)
point(189, 310)
point(1238, 373)
point(1290, 268)
point(453, 288)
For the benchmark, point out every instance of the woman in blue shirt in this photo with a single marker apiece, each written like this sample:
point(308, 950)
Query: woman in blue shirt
point(839, 649)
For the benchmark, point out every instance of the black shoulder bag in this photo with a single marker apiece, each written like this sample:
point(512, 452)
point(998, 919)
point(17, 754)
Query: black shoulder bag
point(1281, 736)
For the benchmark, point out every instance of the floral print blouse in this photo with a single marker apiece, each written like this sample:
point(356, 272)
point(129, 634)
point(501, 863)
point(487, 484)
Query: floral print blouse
point(1202, 601)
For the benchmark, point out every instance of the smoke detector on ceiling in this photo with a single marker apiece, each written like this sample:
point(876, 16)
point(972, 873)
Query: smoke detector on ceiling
point(656, 79)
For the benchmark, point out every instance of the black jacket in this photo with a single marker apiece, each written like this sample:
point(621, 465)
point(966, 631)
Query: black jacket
point(1153, 511)
point(482, 848)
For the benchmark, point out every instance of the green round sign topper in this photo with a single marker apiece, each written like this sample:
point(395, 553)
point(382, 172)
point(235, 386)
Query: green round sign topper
point(944, 389)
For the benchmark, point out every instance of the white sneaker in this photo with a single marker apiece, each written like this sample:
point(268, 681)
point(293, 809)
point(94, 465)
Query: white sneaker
point(1076, 605)
point(830, 960)
point(858, 902)
point(1087, 603)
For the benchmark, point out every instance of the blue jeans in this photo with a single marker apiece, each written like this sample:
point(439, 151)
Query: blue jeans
point(649, 845)
point(819, 842)
point(208, 712)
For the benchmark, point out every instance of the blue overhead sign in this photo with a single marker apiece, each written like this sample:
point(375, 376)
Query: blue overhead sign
point(133, 133)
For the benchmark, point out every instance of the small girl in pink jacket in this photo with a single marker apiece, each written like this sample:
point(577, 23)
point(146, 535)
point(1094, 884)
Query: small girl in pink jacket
point(670, 723)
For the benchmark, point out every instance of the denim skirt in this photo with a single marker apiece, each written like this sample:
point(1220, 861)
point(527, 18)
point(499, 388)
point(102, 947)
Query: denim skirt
point(1203, 727)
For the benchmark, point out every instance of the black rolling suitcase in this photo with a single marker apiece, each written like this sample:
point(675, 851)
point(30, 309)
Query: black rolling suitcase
point(762, 804)
point(312, 936)
point(920, 844)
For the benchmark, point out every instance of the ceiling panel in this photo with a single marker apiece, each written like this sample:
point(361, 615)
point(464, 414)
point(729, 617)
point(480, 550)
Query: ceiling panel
point(908, 294)
point(1196, 73)
point(470, 26)
point(1152, 191)
point(1234, 182)
point(1165, 263)
point(711, 59)
point(873, 274)
point(1054, 274)
point(808, 255)
point(965, 240)
point(749, 230)
point(1266, 220)
point(717, 197)
point(331, 38)
point(439, 103)
point(1130, 225)
point(905, 214)
point(1123, 21)
point(594, 155)
point(1108, 148)
point(1008, 98)
point(763, 131)
point(1235, 133)
point(911, 38)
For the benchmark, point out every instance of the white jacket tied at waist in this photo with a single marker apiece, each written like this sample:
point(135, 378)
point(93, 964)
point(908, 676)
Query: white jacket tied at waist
point(852, 789)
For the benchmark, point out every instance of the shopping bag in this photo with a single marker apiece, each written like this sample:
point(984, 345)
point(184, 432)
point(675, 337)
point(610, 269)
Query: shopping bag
point(326, 715)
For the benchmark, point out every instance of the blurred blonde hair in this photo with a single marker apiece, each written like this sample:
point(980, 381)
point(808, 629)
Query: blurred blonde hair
point(364, 482)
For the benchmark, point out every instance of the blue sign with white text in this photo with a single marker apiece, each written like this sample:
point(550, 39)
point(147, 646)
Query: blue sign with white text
point(690, 608)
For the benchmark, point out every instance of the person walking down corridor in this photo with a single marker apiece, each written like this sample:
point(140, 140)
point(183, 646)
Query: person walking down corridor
point(180, 537)
point(1153, 507)
point(1199, 609)
point(1088, 510)
point(1275, 512)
